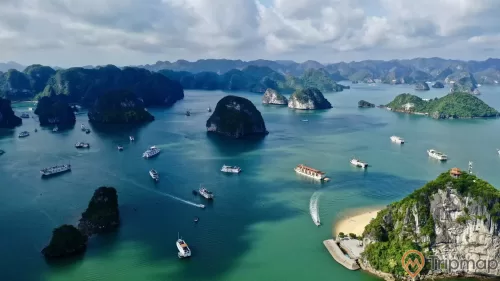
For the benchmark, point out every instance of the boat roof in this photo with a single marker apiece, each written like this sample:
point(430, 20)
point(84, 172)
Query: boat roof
point(302, 166)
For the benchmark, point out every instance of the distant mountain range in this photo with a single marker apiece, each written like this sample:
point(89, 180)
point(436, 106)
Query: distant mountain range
point(407, 71)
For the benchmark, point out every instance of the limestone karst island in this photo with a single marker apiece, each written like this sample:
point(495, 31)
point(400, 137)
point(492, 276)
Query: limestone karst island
point(249, 140)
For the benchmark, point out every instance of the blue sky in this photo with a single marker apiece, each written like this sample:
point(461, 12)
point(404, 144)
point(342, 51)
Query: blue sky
point(128, 32)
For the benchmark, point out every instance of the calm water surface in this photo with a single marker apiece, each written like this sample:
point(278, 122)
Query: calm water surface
point(259, 226)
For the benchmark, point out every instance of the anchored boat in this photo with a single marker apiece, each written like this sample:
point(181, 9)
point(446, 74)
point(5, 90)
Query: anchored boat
point(154, 175)
point(310, 172)
point(151, 152)
point(82, 145)
point(359, 163)
point(437, 155)
point(55, 170)
point(23, 134)
point(205, 193)
point(182, 246)
point(397, 139)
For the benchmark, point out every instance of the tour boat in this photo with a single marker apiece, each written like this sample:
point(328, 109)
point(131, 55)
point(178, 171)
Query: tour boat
point(55, 170)
point(182, 246)
point(154, 175)
point(82, 145)
point(23, 134)
point(437, 155)
point(205, 193)
point(151, 152)
point(397, 139)
point(120, 148)
point(359, 163)
point(310, 172)
point(230, 169)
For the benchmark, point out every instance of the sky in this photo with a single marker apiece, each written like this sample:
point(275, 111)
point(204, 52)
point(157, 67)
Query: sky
point(133, 32)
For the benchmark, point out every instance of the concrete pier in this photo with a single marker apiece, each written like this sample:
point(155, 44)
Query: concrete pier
point(339, 256)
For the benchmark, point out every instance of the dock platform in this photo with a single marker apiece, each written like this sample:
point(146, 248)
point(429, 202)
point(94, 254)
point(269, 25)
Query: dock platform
point(339, 256)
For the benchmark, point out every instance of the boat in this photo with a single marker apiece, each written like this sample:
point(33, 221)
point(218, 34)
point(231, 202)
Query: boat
point(131, 138)
point(397, 139)
point(55, 129)
point(305, 120)
point(83, 127)
point(182, 246)
point(201, 206)
point(498, 151)
point(87, 131)
point(23, 134)
point(205, 193)
point(196, 219)
point(2, 152)
point(209, 109)
point(437, 155)
point(36, 130)
point(120, 148)
point(151, 152)
point(310, 172)
point(55, 170)
point(154, 175)
point(359, 163)
point(25, 115)
point(82, 145)
point(188, 113)
point(230, 169)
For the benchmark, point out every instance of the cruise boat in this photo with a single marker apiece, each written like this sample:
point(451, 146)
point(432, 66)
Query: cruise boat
point(55, 170)
point(151, 152)
point(120, 148)
point(154, 175)
point(23, 134)
point(437, 155)
point(359, 163)
point(205, 193)
point(131, 138)
point(182, 246)
point(397, 139)
point(55, 129)
point(230, 169)
point(310, 172)
point(25, 115)
point(82, 145)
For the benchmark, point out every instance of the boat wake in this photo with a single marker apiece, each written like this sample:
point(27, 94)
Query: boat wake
point(178, 199)
point(313, 208)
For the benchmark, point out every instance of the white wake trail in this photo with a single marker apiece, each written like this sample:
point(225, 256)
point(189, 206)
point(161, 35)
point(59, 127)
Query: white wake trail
point(313, 208)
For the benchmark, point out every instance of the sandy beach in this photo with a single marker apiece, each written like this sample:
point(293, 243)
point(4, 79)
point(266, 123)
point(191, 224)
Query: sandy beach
point(355, 223)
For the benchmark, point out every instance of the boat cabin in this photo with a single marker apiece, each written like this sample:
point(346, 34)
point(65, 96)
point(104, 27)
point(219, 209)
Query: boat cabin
point(310, 171)
point(455, 173)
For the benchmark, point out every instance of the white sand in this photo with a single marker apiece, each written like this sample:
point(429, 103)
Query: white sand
point(355, 224)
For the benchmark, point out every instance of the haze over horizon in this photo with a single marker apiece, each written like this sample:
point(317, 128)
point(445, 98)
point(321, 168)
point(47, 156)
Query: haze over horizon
point(126, 32)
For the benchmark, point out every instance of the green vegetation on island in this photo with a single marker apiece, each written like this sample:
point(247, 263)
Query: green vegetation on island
point(438, 85)
point(308, 99)
point(55, 110)
point(453, 105)
point(236, 117)
point(102, 214)
point(66, 240)
point(422, 86)
point(117, 107)
point(432, 220)
point(7, 117)
point(363, 103)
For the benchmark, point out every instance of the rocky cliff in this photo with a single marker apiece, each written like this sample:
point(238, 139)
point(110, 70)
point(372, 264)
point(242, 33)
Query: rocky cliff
point(66, 240)
point(7, 117)
point(55, 110)
point(102, 214)
point(363, 103)
point(117, 107)
point(271, 96)
point(422, 86)
point(438, 85)
point(309, 98)
point(236, 117)
point(454, 217)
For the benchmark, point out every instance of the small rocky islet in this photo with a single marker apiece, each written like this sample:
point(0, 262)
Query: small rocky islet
point(8, 119)
point(101, 216)
point(119, 107)
point(308, 99)
point(55, 111)
point(365, 104)
point(271, 96)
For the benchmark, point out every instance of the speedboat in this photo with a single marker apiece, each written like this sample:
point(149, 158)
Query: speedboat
point(196, 219)
point(154, 175)
point(131, 138)
point(182, 246)
point(120, 148)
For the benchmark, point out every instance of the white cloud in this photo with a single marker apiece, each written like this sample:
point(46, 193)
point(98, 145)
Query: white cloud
point(66, 32)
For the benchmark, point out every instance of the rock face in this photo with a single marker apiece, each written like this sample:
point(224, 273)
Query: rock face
point(363, 103)
point(119, 107)
point(66, 241)
point(102, 214)
point(454, 217)
point(236, 117)
point(273, 97)
point(7, 117)
point(438, 85)
point(422, 86)
point(463, 83)
point(55, 111)
point(308, 99)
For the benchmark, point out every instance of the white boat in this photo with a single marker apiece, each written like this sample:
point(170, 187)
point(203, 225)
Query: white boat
point(498, 150)
point(151, 152)
point(310, 172)
point(55, 129)
point(23, 134)
point(205, 193)
point(230, 169)
point(182, 246)
point(359, 163)
point(83, 127)
point(82, 145)
point(131, 138)
point(305, 120)
point(154, 175)
point(55, 170)
point(209, 109)
point(397, 139)
point(120, 148)
point(437, 155)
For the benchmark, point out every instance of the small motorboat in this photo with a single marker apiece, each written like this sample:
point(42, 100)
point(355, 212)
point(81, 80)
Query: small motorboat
point(188, 113)
point(120, 148)
point(55, 129)
point(131, 138)
point(305, 120)
point(209, 109)
point(196, 219)
point(36, 130)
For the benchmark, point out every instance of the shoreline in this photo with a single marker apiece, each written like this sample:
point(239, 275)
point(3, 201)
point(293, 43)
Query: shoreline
point(355, 221)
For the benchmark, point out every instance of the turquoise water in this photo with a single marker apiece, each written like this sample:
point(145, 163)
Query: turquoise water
point(259, 226)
